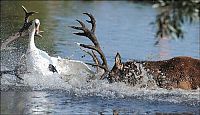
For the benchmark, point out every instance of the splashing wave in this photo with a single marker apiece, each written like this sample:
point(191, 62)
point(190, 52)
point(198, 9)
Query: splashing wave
point(82, 86)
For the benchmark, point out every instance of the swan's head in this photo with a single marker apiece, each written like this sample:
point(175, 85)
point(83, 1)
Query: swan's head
point(35, 26)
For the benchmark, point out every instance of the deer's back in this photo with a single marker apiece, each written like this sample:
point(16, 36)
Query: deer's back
point(180, 72)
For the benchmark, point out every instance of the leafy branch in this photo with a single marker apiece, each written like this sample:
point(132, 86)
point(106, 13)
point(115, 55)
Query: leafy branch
point(173, 15)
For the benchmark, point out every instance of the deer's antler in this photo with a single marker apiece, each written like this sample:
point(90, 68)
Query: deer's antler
point(21, 32)
point(26, 20)
point(94, 57)
point(90, 33)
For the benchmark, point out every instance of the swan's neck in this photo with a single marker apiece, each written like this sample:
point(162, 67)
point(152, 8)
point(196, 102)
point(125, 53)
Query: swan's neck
point(31, 39)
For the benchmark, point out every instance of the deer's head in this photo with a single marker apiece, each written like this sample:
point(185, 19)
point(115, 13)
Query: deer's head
point(118, 71)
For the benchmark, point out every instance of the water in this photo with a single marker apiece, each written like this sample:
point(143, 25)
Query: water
point(122, 27)
point(59, 102)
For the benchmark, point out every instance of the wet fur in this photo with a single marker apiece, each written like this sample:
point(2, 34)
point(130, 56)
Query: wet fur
point(178, 72)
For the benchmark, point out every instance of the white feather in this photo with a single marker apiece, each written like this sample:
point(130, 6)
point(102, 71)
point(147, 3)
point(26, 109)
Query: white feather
point(38, 60)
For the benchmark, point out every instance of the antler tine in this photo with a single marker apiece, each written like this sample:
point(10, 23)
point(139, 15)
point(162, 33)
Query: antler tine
point(75, 27)
point(80, 34)
point(90, 47)
point(92, 21)
point(25, 10)
point(101, 66)
point(78, 28)
point(83, 28)
point(81, 23)
point(27, 14)
point(94, 48)
point(26, 20)
point(95, 58)
point(20, 32)
point(104, 65)
point(93, 55)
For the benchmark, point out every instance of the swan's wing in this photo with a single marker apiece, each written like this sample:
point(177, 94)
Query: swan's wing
point(79, 65)
point(70, 67)
point(44, 54)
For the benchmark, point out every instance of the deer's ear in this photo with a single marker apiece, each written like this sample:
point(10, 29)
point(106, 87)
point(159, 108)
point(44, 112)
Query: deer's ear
point(118, 61)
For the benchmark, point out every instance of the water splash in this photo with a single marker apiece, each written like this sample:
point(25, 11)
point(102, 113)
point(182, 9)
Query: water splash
point(83, 86)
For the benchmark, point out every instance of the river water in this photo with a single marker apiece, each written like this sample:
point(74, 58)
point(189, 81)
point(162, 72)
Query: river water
point(122, 26)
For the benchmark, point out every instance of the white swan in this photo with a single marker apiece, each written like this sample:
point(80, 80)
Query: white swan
point(39, 61)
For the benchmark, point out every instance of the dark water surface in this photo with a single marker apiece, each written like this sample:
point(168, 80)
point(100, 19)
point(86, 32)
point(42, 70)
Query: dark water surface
point(54, 102)
point(123, 27)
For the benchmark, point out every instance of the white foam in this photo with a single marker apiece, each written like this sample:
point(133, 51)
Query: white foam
point(80, 86)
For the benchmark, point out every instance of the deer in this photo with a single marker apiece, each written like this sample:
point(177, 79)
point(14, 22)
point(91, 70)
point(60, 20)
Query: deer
point(179, 72)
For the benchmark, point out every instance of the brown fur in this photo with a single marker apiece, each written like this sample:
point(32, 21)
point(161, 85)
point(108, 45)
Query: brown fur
point(181, 72)
point(178, 72)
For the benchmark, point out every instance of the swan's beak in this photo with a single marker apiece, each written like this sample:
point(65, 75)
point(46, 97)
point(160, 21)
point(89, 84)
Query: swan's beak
point(37, 31)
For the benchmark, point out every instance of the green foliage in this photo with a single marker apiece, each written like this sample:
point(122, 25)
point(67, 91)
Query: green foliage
point(174, 13)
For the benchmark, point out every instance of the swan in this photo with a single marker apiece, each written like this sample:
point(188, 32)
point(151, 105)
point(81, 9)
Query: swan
point(39, 61)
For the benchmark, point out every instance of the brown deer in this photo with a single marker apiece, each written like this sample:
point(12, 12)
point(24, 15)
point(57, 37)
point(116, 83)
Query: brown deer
point(178, 72)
